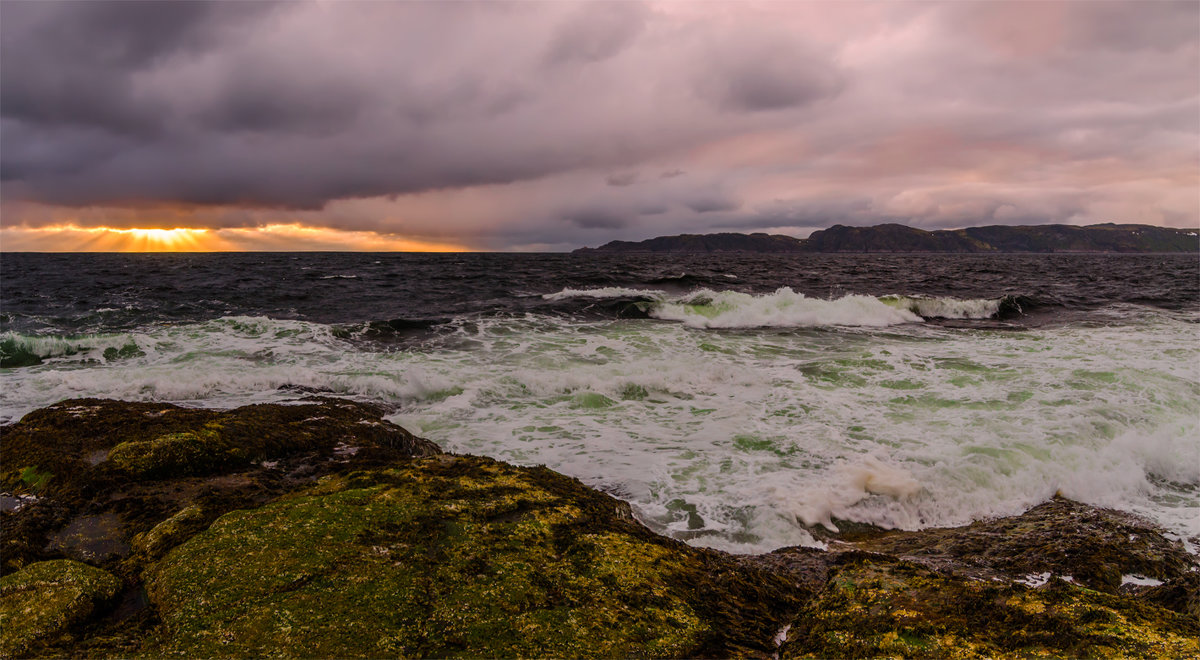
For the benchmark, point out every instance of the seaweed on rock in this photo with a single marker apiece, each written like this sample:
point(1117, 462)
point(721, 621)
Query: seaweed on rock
point(455, 556)
point(46, 599)
point(878, 606)
point(319, 529)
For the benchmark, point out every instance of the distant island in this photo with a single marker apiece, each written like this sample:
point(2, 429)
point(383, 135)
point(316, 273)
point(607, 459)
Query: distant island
point(901, 238)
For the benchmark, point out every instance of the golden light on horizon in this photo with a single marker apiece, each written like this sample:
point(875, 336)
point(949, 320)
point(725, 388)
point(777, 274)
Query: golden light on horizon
point(268, 238)
point(163, 240)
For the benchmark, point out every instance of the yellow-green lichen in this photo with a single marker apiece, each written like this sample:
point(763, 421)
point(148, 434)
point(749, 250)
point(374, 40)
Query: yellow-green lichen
point(46, 598)
point(887, 608)
point(169, 454)
point(449, 556)
point(170, 532)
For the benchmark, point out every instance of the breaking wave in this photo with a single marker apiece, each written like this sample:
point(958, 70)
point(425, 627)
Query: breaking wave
point(785, 308)
point(18, 350)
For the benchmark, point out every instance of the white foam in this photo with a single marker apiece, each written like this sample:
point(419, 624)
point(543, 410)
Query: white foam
point(1140, 580)
point(782, 309)
point(604, 292)
point(1034, 580)
point(848, 484)
point(728, 439)
point(946, 308)
point(786, 308)
point(70, 348)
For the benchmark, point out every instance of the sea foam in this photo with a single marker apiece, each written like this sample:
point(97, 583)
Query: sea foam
point(730, 439)
point(785, 308)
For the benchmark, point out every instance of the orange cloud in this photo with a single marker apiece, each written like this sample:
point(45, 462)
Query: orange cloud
point(269, 238)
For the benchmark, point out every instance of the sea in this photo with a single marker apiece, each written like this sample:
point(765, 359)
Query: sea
point(736, 401)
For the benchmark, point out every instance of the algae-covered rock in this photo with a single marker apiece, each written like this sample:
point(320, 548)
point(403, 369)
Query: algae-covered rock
point(179, 454)
point(86, 444)
point(46, 598)
point(104, 471)
point(1093, 546)
point(170, 532)
point(876, 606)
point(455, 556)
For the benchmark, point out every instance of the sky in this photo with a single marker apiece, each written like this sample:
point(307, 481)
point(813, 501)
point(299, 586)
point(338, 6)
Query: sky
point(548, 126)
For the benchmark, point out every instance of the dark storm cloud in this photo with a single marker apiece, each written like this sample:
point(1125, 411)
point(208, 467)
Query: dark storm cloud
point(259, 98)
point(771, 73)
point(308, 103)
point(74, 62)
point(555, 124)
point(67, 150)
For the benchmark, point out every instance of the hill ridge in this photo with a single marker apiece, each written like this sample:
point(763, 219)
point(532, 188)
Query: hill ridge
point(898, 238)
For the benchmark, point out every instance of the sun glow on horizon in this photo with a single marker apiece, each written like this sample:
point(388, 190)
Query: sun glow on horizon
point(268, 238)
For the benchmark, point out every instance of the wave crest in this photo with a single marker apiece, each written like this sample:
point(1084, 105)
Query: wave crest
point(705, 308)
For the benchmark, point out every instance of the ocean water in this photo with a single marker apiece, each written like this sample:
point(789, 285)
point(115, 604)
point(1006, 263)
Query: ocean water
point(732, 399)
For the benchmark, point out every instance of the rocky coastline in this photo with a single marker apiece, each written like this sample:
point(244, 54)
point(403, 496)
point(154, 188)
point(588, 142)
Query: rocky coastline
point(317, 529)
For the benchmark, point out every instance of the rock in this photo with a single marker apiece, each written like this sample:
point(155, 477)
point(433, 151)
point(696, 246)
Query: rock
point(105, 471)
point(1093, 546)
point(1181, 594)
point(46, 598)
point(171, 454)
point(76, 443)
point(874, 606)
point(318, 529)
point(452, 556)
point(171, 532)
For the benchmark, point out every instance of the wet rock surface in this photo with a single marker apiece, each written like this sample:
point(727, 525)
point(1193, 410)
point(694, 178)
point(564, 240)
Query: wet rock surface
point(318, 529)
point(102, 469)
point(1094, 547)
point(448, 556)
point(879, 606)
point(45, 599)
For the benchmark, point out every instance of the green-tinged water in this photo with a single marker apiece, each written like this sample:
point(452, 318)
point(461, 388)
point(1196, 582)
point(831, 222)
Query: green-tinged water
point(729, 437)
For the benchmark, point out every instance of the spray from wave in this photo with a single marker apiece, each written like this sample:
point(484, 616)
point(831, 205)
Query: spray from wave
point(18, 350)
point(785, 308)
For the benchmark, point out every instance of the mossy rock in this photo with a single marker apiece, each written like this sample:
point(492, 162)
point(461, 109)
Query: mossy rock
point(451, 557)
point(882, 607)
point(172, 454)
point(171, 532)
point(45, 599)
point(90, 444)
point(1093, 546)
point(137, 464)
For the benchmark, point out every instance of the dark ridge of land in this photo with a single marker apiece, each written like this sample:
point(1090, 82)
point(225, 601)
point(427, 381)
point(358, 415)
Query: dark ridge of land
point(726, 242)
point(318, 529)
point(897, 238)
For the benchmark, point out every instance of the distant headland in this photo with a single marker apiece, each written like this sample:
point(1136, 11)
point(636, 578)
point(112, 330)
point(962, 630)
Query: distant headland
point(901, 238)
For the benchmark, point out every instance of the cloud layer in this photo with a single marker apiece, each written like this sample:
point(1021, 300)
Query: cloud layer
point(547, 126)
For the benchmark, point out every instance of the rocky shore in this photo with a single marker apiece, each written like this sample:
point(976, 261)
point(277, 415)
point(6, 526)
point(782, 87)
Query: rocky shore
point(318, 529)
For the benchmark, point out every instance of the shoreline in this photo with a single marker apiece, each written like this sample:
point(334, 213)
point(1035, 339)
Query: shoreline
point(368, 541)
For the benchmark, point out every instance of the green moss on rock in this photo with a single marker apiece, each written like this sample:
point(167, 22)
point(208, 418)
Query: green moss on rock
point(875, 606)
point(132, 465)
point(172, 454)
point(453, 556)
point(171, 532)
point(46, 598)
point(1092, 545)
point(89, 443)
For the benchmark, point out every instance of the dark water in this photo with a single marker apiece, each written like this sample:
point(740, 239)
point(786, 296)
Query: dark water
point(703, 389)
point(82, 293)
